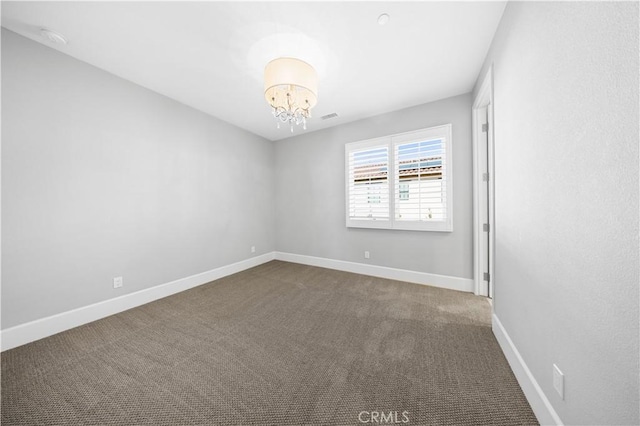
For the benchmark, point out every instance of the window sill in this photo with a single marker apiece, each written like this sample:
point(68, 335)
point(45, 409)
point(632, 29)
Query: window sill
point(400, 226)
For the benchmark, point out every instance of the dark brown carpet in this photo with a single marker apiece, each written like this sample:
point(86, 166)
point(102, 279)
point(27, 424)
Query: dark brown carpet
point(279, 344)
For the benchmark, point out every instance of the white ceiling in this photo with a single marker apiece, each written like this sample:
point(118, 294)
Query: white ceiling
point(211, 55)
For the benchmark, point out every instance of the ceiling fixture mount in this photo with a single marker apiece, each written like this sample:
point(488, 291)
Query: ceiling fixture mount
point(52, 36)
point(383, 19)
point(291, 89)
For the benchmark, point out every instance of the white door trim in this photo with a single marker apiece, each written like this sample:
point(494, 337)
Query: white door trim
point(484, 98)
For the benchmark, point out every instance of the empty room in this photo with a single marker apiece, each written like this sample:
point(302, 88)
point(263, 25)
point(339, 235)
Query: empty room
point(320, 213)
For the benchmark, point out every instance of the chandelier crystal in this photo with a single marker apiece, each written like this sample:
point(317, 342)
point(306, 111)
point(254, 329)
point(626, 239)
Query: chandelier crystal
point(291, 89)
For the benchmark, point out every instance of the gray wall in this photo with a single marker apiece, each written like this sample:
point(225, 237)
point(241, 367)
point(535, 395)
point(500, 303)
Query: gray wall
point(310, 195)
point(102, 178)
point(566, 180)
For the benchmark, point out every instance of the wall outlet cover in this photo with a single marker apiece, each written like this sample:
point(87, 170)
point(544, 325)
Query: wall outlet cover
point(117, 282)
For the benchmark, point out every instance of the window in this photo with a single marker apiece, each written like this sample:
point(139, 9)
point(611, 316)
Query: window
point(369, 182)
point(401, 181)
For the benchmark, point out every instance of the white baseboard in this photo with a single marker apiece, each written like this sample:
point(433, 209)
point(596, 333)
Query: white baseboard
point(539, 402)
point(44, 327)
point(444, 281)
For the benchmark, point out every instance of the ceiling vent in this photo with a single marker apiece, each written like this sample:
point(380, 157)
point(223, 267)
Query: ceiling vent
point(329, 116)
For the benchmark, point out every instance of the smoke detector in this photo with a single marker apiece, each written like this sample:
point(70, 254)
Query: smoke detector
point(383, 19)
point(52, 36)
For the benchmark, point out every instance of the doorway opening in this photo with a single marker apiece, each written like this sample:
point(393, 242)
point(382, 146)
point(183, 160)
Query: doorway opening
point(483, 188)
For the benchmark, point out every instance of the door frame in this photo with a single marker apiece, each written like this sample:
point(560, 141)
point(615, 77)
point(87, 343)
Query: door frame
point(484, 98)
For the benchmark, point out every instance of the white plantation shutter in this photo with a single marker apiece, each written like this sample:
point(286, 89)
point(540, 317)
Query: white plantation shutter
point(401, 181)
point(419, 171)
point(368, 183)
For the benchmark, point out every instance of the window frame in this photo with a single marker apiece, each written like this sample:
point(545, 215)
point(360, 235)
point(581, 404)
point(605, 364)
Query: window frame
point(391, 142)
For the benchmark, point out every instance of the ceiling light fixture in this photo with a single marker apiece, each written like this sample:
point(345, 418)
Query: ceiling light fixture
point(291, 89)
point(52, 36)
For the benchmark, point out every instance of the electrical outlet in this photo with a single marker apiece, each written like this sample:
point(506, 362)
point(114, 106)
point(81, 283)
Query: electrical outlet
point(117, 282)
point(253, 249)
point(558, 381)
point(367, 255)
